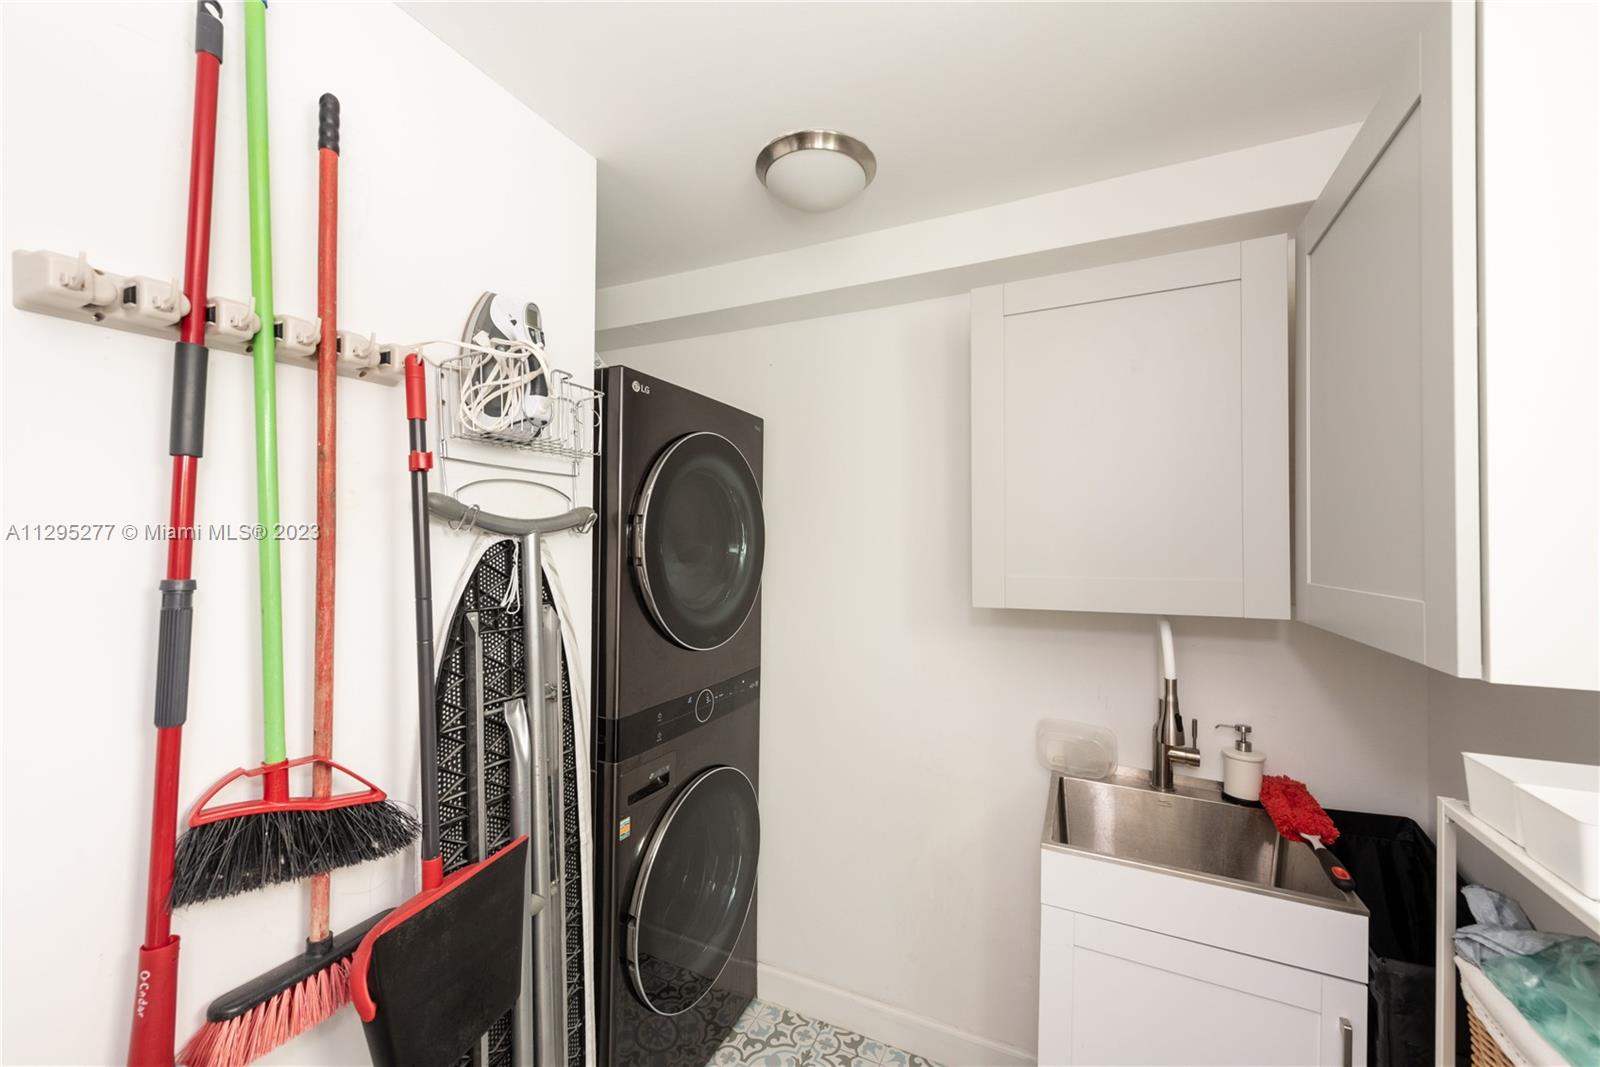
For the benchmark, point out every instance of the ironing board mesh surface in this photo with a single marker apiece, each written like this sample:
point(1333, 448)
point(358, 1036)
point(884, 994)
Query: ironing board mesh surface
point(503, 649)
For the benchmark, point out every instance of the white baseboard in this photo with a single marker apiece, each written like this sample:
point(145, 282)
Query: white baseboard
point(885, 1022)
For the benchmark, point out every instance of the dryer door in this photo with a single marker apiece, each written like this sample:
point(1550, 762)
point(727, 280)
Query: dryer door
point(698, 541)
point(694, 891)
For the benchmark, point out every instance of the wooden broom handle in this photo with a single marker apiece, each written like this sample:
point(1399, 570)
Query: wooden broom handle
point(327, 422)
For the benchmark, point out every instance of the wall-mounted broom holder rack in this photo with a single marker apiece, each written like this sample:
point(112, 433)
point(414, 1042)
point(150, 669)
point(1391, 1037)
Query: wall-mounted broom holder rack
point(69, 287)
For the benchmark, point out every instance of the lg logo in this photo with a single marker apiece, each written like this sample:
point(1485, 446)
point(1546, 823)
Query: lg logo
point(638, 388)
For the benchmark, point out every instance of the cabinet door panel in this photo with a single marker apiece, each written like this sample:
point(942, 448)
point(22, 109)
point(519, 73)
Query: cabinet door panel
point(1541, 360)
point(1092, 495)
point(1344, 1022)
point(1200, 1023)
point(1365, 381)
point(1217, 1007)
point(1055, 986)
point(1130, 442)
point(1387, 435)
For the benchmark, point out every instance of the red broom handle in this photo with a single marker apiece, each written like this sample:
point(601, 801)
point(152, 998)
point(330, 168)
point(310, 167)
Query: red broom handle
point(185, 469)
point(155, 992)
point(327, 410)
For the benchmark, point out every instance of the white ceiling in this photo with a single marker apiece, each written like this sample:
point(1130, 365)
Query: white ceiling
point(965, 104)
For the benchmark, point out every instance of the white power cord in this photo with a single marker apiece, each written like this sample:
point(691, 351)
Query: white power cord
point(512, 599)
point(497, 391)
point(497, 384)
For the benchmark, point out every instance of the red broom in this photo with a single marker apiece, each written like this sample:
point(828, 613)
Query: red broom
point(266, 1012)
point(1298, 816)
point(155, 988)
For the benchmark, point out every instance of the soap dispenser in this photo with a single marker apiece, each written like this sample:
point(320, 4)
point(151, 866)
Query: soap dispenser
point(1241, 766)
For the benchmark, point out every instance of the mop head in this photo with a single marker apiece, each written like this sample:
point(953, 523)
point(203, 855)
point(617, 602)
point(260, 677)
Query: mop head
point(234, 855)
point(267, 1012)
point(1294, 810)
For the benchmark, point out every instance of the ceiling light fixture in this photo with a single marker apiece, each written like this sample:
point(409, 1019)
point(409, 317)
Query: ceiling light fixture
point(816, 170)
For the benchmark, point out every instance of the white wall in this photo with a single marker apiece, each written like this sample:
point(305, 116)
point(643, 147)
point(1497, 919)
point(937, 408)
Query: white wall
point(1512, 720)
point(901, 799)
point(450, 186)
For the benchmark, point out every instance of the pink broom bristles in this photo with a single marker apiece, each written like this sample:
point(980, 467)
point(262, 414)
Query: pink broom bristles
point(248, 1037)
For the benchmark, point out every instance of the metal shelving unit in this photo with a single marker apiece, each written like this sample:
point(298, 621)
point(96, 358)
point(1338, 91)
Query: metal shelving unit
point(1454, 818)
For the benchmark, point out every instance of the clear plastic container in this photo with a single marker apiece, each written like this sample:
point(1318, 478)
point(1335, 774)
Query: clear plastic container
point(1076, 749)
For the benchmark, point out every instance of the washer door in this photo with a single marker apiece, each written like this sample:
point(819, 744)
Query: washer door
point(694, 891)
point(699, 540)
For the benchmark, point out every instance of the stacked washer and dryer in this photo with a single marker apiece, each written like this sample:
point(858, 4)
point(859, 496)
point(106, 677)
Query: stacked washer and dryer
point(677, 725)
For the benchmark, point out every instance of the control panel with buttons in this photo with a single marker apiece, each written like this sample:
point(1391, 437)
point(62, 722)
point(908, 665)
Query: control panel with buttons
point(621, 739)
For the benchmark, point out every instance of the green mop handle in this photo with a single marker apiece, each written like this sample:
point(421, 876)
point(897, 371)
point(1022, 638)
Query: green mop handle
point(274, 748)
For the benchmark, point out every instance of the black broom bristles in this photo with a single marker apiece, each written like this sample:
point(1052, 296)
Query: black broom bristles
point(231, 856)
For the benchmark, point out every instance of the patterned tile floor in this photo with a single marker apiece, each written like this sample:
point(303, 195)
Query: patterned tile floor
point(769, 1035)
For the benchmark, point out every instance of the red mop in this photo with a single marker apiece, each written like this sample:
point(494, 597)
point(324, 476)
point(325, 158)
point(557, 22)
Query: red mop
point(155, 988)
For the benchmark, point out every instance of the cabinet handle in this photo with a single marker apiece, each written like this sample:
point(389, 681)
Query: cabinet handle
point(1347, 1039)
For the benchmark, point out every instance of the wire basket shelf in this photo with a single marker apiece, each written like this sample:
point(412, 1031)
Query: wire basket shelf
point(560, 420)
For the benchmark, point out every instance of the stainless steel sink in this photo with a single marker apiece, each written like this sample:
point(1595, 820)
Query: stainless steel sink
point(1191, 831)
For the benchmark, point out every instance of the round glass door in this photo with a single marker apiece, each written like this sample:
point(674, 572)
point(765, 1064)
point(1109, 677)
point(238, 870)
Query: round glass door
point(694, 891)
point(699, 539)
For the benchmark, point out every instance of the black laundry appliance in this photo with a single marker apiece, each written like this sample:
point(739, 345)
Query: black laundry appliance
point(678, 489)
point(677, 720)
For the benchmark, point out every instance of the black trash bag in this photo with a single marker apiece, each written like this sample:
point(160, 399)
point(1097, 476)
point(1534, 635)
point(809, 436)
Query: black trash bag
point(1394, 864)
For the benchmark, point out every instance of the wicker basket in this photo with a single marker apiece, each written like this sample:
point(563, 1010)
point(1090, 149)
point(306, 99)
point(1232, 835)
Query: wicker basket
point(1486, 1051)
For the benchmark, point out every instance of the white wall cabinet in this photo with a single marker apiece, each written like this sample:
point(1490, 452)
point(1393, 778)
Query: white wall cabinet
point(1386, 372)
point(1116, 994)
point(1130, 441)
point(1539, 257)
point(1403, 541)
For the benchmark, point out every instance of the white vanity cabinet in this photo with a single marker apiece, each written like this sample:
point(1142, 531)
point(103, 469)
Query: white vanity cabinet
point(1114, 994)
point(1446, 474)
point(1130, 436)
point(1144, 967)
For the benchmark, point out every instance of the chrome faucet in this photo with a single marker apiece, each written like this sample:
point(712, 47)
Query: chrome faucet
point(1169, 746)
